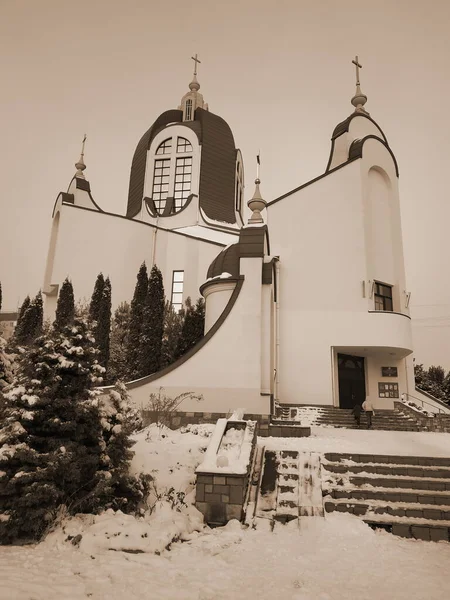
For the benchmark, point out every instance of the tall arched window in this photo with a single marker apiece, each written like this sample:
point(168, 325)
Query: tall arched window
point(172, 174)
point(239, 192)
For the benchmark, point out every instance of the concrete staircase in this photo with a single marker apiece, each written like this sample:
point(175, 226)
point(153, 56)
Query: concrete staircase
point(406, 495)
point(330, 416)
point(289, 487)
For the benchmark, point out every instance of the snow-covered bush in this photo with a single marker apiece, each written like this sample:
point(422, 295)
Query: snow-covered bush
point(57, 445)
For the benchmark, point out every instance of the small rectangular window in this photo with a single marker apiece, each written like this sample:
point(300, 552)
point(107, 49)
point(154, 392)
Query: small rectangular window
point(177, 290)
point(383, 297)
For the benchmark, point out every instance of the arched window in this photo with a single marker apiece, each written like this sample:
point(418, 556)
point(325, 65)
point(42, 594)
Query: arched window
point(172, 174)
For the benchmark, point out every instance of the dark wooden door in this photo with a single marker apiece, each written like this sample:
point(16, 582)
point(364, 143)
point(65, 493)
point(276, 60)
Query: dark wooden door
point(352, 380)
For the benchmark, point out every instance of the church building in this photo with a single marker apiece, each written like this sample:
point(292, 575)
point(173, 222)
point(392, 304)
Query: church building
point(306, 300)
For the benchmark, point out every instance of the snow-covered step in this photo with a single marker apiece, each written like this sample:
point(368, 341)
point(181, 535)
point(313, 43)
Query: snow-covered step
point(310, 486)
point(392, 470)
point(288, 482)
point(431, 512)
point(368, 492)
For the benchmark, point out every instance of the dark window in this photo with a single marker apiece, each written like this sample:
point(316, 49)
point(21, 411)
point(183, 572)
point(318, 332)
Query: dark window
point(188, 112)
point(183, 174)
point(383, 297)
point(177, 290)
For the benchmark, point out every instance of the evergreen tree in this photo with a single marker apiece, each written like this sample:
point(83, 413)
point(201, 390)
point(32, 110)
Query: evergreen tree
point(193, 326)
point(65, 309)
point(120, 419)
point(150, 339)
point(136, 313)
point(94, 306)
point(31, 323)
point(117, 365)
point(6, 366)
point(102, 329)
point(22, 311)
point(173, 324)
point(52, 444)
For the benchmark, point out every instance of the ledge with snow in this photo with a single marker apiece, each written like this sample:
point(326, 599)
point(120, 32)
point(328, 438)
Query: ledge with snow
point(222, 477)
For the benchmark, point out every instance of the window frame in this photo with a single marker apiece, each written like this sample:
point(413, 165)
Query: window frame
point(178, 155)
point(177, 292)
point(382, 299)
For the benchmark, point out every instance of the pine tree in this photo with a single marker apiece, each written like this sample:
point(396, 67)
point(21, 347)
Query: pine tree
point(173, 325)
point(137, 309)
point(117, 365)
point(94, 306)
point(150, 339)
point(193, 326)
point(31, 323)
point(65, 309)
point(52, 436)
point(102, 329)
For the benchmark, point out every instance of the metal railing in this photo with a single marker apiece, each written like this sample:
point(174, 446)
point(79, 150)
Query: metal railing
point(422, 402)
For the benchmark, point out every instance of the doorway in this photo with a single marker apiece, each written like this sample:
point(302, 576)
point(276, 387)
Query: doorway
point(352, 380)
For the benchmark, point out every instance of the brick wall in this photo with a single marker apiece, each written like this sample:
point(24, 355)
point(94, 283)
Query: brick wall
point(180, 419)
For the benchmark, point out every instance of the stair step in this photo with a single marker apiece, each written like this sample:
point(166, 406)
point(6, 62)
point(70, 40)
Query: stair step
point(413, 511)
point(390, 470)
point(392, 495)
point(443, 461)
point(406, 483)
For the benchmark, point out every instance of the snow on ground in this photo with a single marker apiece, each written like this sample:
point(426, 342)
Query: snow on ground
point(332, 558)
point(327, 439)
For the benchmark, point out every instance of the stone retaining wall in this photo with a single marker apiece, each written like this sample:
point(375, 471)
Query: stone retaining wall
point(221, 498)
point(439, 423)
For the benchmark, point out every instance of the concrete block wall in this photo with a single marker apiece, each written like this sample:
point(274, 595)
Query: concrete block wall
point(181, 419)
point(221, 497)
point(439, 423)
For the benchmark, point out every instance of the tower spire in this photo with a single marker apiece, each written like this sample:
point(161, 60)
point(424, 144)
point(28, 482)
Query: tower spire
point(194, 86)
point(256, 204)
point(359, 99)
point(80, 166)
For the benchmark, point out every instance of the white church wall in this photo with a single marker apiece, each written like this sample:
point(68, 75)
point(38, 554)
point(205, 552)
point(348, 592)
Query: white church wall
point(322, 249)
point(88, 242)
point(216, 299)
point(227, 369)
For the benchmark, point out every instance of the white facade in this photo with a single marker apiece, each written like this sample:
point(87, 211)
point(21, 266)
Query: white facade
point(332, 289)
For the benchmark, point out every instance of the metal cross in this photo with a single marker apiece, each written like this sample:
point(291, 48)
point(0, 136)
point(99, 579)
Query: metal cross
point(82, 145)
point(358, 66)
point(195, 59)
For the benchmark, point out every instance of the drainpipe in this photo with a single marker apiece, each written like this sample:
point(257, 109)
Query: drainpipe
point(277, 328)
point(154, 242)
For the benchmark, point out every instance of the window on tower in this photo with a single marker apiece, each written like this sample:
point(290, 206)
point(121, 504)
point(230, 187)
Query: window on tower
point(383, 297)
point(172, 174)
point(188, 110)
point(177, 290)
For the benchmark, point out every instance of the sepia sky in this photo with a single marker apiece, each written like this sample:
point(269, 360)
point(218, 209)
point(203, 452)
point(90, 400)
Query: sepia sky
point(280, 74)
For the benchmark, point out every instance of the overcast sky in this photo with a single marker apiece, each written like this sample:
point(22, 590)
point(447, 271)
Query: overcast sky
point(280, 74)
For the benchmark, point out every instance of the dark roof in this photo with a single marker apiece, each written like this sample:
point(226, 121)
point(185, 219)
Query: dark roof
point(217, 168)
point(343, 127)
point(356, 149)
point(251, 244)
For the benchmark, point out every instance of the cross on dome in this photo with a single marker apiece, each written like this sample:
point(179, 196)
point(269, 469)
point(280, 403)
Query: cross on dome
point(196, 61)
point(359, 99)
point(80, 166)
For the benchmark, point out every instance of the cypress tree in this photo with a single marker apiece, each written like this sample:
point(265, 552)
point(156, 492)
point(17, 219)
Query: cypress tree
point(94, 306)
point(22, 310)
point(136, 312)
point(173, 324)
point(65, 309)
point(31, 323)
point(193, 326)
point(150, 339)
point(117, 365)
point(102, 329)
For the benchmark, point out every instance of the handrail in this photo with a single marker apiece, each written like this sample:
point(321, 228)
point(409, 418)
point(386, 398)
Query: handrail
point(420, 400)
point(431, 397)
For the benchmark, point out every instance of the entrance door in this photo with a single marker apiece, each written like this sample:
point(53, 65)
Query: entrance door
point(352, 381)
